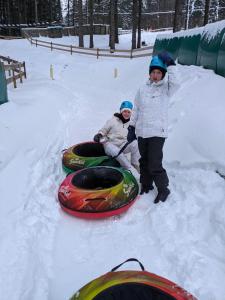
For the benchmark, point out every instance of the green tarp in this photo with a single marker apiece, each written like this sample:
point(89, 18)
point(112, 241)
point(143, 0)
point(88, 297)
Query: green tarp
point(209, 46)
point(3, 85)
point(173, 46)
point(204, 46)
point(220, 68)
point(189, 50)
point(160, 45)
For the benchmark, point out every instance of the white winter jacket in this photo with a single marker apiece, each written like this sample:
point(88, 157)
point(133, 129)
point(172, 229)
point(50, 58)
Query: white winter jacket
point(150, 113)
point(115, 131)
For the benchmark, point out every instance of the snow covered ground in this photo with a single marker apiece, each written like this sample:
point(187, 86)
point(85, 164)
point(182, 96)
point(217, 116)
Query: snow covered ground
point(47, 254)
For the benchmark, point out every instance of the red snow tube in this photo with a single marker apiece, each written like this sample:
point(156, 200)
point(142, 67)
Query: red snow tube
point(98, 192)
point(132, 285)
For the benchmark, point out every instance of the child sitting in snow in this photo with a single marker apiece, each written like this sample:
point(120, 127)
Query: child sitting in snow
point(149, 123)
point(114, 134)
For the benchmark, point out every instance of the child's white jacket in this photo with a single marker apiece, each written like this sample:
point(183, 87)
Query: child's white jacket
point(115, 131)
point(150, 113)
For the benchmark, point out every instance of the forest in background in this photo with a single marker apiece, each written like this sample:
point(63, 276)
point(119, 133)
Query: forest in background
point(155, 14)
point(135, 15)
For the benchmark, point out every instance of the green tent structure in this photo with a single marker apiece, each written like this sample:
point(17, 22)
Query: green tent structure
point(3, 85)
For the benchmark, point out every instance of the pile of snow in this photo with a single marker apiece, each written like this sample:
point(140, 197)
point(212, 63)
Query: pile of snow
point(209, 31)
point(181, 33)
point(46, 254)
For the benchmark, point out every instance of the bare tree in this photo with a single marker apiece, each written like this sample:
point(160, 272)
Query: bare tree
point(68, 12)
point(91, 20)
point(139, 23)
point(178, 16)
point(50, 12)
point(80, 23)
point(116, 23)
point(36, 10)
point(112, 25)
point(206, 14)
point(134, 22)
point(73, 12)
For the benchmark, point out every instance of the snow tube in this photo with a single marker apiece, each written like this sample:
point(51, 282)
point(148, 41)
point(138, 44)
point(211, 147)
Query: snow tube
point(86, 155)
point(98, 192)
point(131, 285)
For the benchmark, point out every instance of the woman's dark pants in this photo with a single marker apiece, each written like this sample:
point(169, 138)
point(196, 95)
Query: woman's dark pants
point(151, 169)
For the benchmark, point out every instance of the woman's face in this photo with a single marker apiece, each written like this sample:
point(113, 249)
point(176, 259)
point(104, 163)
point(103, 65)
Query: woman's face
point(156, 75)
point(126, 113)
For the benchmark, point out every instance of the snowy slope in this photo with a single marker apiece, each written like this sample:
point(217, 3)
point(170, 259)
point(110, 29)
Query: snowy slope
point(46, 254)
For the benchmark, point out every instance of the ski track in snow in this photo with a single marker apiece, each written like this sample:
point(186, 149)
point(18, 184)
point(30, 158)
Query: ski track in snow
point(166, 239)
point(31, 226)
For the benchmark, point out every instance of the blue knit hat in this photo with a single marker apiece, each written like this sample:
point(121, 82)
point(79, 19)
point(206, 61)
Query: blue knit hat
point(157, 63)
point(126, 105)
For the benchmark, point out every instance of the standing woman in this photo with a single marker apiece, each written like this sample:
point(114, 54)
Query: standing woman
point(149, 122)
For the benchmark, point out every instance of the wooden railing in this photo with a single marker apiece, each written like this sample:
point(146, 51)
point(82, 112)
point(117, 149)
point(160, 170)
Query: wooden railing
point(98, 52)
point(14, 70)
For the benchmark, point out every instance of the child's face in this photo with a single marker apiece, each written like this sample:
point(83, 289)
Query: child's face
point(126, 114)
point(156, 75)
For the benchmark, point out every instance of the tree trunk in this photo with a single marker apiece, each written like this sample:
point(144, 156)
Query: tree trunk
point(50, 11)
point(36, 11)
point(134, 20)
point(73, 13)
point(177, 21)
point(116, 23)
point(91, 44)
point(139, 23)
point(112, 25)
point(80, 22)
point(68, 13)
point(206, 14)
point(187, 14)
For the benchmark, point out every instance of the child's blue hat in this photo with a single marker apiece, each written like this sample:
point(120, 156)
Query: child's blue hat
point(157, 63)
point(126, 105)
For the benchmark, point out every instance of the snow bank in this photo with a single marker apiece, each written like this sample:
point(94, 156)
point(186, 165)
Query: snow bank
point(210, 31)
point(182, 33)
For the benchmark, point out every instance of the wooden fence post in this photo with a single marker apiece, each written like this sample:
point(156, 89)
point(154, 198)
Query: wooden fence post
point(24, 70)
point(36, 42)
point(20, 74)
point(71, 49)
point(97, 53)
point(131, 53)
point(14, 79)
point(51, 46)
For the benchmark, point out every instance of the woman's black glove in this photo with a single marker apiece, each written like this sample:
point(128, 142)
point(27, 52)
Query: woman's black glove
point(166, 58)
point(131, 136)
point(97, 137)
